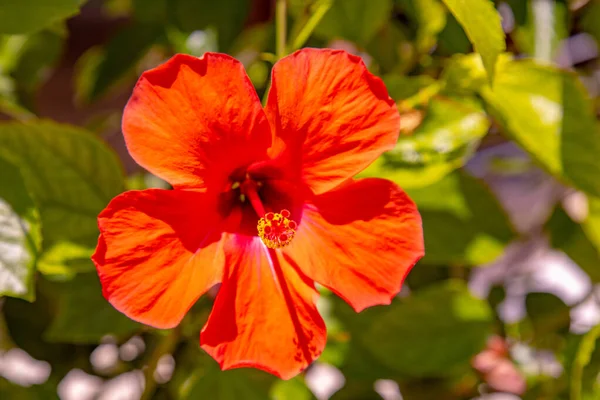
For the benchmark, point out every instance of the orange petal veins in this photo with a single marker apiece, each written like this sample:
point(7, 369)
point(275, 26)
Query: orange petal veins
point(192, 121)
point(330, 116)
point(264, 315)
point(360, 241)
point(158, 253)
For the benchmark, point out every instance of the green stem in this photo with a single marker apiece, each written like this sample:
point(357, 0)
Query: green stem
point(280, 27)
point(311, 24)
point(166, 345)
point(582, 359)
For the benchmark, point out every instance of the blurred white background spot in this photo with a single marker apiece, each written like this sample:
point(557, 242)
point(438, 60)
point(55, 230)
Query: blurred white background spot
point(19, 367)
point(388, 389)
point(324, 380)
point(79, 385)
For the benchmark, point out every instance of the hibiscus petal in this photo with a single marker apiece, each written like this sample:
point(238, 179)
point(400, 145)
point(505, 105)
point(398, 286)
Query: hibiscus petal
point(360, 241)
point(158, 252)
point(193, 121)
point(264, 315)
point(331, 116)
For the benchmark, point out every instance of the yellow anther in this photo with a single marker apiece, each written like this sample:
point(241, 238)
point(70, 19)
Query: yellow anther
point(276, 230)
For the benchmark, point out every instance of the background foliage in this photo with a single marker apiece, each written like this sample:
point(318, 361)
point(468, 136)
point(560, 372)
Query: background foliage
point(500, 149)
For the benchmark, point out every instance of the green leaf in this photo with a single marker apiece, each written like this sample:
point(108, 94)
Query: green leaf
point(433, 332)
point(545, 110)
point(589, 20)
point(354, 20)
point(20, 236)
point(122, 53)
point(27, 16)
point(575, 241)
point(71, 175)
point(549, 317)
point(482, 25)
point(463, 223)
point(391, 48)
point(293, 389)
point(429, 18)
point(591, 225)
point(453, 39)
point(83, 315)
point(582, 388)
point(206, 380)
point(226, 16)
point(446, 138)
point(150, 10)
point(541, 27)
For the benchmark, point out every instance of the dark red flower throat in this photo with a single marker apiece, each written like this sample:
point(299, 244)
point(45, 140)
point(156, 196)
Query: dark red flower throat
point(267, 204)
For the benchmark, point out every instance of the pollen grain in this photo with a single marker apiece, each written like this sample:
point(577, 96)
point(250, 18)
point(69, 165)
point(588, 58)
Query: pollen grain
point(276, 230)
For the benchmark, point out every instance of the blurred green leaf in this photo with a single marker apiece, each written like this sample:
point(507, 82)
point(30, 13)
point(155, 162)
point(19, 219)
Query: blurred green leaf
point(37, 56)
point(10, 391)
point(571, 238)
point(150, 10)
point(20, 236)
point(83, 315)
point(392, 48)
point(545, 110)
point(354, 20)
point(453, 39)
point(204, 379)
point(429, 18)
point(71, 175)
point(463, 223)
point(293, 389)
point(27, 16)
point(591, 225)
point(590, 18)
point(549, 317)
point(406, 336)
point(481, 23)
point(226, 16)
point(122, 53)
point(541, 27)
point(443, 141)
point(586, 366)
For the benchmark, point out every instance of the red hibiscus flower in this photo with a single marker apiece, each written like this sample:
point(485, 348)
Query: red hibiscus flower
point(263, 203)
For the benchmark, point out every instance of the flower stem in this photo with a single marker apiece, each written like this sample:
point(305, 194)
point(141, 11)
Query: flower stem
point(280, 27)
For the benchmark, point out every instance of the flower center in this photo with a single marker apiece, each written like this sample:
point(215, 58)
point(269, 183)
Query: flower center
point(276, 229)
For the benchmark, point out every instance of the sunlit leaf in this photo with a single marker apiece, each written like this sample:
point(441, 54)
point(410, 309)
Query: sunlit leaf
point(443, 141)
point(545, 110)
point(19, 234)
point(26, 16)
point(71, 175)
point(406, 336)
point(481, 23)
point(83, 315)
point(462, 221)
